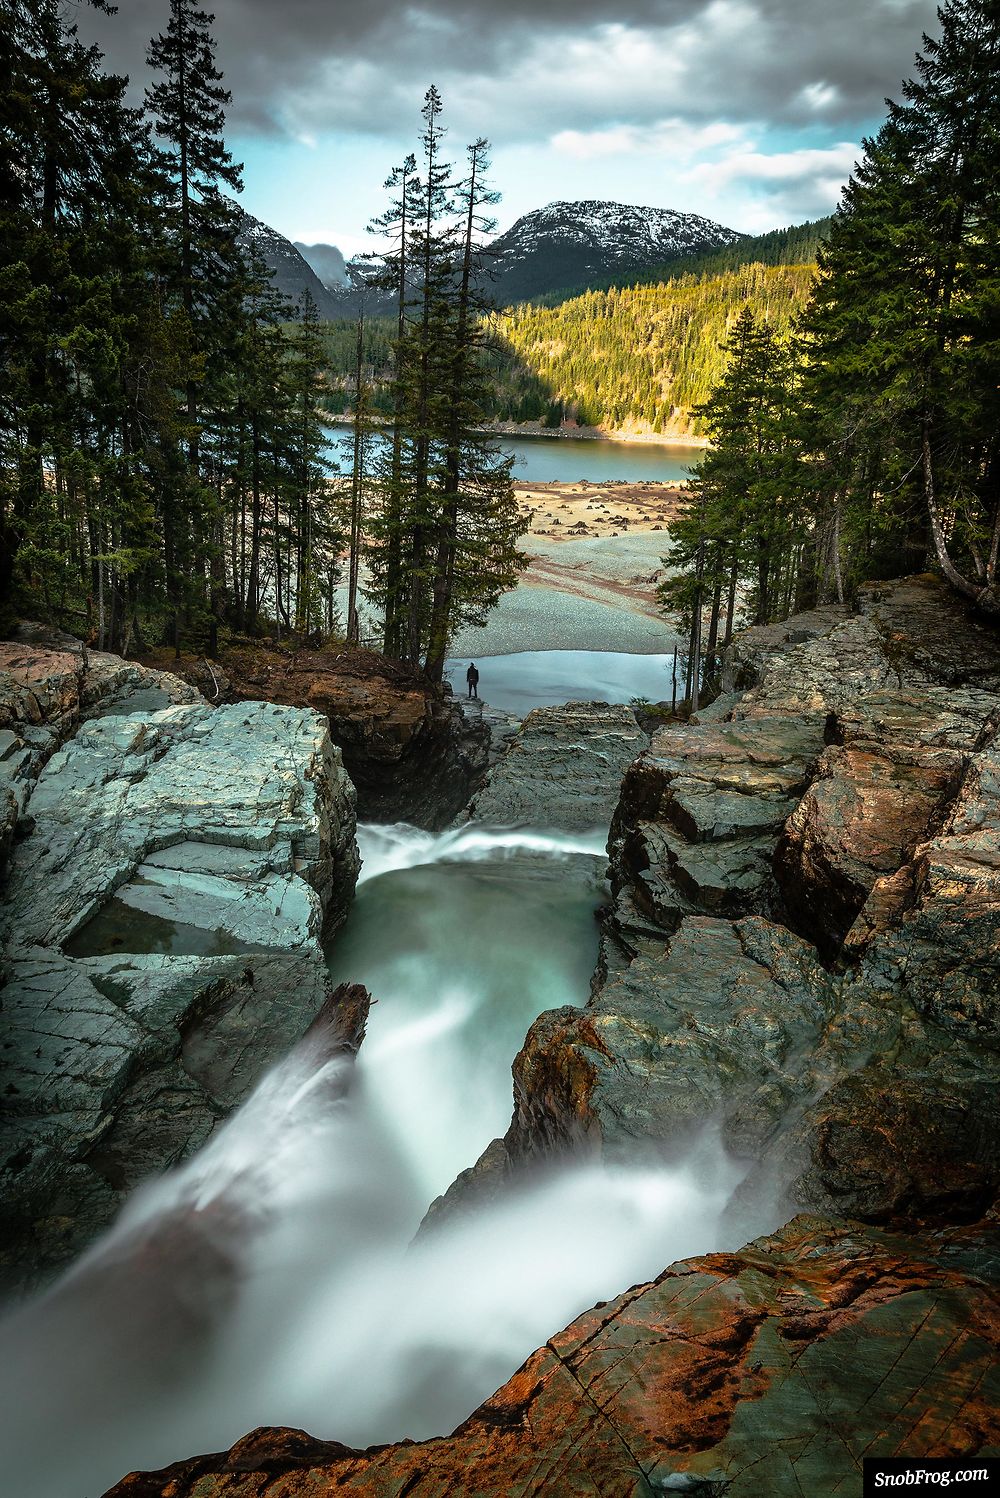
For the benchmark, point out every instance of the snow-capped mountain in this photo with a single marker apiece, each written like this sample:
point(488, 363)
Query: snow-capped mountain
point(569, 245)
point(563, 247)
point(289, 271)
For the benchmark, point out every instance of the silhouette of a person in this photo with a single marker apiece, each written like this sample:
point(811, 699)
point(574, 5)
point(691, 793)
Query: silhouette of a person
point(472, 677)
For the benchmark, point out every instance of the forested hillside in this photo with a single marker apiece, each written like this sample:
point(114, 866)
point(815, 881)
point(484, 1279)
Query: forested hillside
point(634, 357)
point(631, 358)
point(797, 245)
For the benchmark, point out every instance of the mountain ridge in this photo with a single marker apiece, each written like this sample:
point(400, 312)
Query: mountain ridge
point(290, 272)
point(568, 243)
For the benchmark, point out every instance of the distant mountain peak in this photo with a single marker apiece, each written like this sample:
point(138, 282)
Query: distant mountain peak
point(566, 245)
point(291, 274)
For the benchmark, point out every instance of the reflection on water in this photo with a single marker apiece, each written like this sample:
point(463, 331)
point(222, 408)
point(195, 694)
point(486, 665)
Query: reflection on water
point(537, 678)
point(118, 927)
point(273, 1279)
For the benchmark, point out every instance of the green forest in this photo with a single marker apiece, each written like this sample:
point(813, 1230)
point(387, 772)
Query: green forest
point(164, 470)
point(867, 442)
point(641, 356)
point(164, 474)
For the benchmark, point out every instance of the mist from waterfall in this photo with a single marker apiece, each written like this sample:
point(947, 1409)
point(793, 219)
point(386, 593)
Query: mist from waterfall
point(274, 1278)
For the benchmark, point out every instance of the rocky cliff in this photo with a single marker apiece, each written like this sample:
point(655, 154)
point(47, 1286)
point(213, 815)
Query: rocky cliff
point(410, 752)
point(803, 951)
point(562, 768)
point(172, 869)
point(769, 1371)
point(803, 945)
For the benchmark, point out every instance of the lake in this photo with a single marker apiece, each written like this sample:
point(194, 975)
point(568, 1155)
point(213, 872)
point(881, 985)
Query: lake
point(566, 460)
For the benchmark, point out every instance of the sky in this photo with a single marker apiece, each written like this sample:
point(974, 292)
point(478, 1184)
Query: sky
point(749, 112)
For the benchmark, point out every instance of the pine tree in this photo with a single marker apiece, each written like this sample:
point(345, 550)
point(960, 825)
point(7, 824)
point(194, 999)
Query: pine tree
point(902, 324)
point(389, 587)
point(316, 526)
point(478, 523)
point(76, 305)
point(188, 107)
point(745, 521)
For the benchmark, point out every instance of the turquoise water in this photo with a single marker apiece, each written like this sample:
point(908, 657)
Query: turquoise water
point(566, 460)
point(538, 678)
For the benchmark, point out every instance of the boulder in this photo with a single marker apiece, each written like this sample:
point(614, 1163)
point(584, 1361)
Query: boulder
point(411, 753)
point(772, 1370)
point(47, 685)
point(700, 814)
point(162, 935)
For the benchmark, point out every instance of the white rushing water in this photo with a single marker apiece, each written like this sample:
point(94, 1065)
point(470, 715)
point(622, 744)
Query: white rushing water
point(273, 1279)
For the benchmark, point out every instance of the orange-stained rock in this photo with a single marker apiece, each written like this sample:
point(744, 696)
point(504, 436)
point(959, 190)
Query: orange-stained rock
point(765, 1372)
point(860, 820)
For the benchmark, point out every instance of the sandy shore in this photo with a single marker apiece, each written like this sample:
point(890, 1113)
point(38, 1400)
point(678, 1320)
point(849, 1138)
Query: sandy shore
point(569, 512)
point(593, 434)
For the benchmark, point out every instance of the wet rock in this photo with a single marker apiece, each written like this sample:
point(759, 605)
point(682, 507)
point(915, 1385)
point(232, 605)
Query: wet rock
point(932, 930)
point(565, 766)
point(804, 946)
point(771, 1370)
point(254, 777)
point(161, 931)
point(879, 792)
point(700, 814)
point(47, 685)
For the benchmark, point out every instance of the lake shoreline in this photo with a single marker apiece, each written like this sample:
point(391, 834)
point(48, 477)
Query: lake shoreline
point(530, 430)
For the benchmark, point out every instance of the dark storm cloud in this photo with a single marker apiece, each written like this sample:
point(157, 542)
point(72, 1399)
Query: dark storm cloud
point(532, 67)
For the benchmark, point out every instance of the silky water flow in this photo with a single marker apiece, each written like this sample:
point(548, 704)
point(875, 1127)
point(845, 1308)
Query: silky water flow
point(275, 1278)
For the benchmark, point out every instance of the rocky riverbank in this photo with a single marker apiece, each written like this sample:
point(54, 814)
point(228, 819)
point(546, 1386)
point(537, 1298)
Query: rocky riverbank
point(804, 940)
point(172, 869)
point(769, 1371)
point(803, 952)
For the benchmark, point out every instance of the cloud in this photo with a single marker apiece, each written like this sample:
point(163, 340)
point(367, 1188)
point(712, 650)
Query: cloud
point(307, 66)
point(799, 183)
point(667, 137)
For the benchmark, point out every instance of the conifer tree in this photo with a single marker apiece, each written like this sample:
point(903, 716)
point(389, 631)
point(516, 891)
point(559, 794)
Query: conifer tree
point(188, 108)
point(448, 522)
point(389, 586)
point(901, 328)
point(744, 522)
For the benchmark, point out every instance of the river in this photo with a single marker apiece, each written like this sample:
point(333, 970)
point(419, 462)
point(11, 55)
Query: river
point(273, 1278)
point(567, 460)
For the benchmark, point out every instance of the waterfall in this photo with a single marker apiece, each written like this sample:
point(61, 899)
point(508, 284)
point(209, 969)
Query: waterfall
point(274, 1278)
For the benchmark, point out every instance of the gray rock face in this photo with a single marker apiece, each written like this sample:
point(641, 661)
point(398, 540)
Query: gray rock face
point(48, 683)
point(804, 947)
point(564, 765)
point(161, 932)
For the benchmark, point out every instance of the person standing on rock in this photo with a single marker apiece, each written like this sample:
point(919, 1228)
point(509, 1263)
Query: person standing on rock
point(472, 677)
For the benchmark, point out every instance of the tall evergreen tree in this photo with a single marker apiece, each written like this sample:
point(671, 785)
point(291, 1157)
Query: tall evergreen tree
point(902, 327)
point(743, 527)
point(76, 305)
point(447, 525)
point(188, 106)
